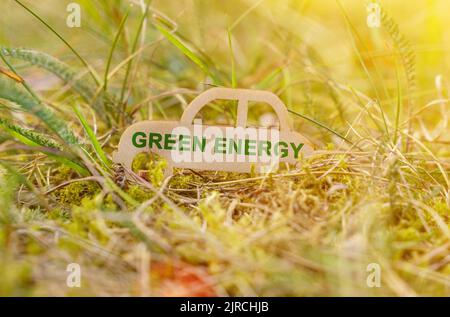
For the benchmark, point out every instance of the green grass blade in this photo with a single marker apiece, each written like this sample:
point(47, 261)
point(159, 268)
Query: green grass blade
point(187, 52)
point(44, 144)
point(52, 153)
point(233, 68)
point(266, 81)
point(54, 66)
point(245, 14)
point(31, 103)
point(97, 147)
point(111, 52)
point(66, 161)
point(399, 104)
point(27, 136)
point(134, 47)
point(11, 91)
point(321, 125)
point(82, 60)
point(354, 34)
point(6, 214)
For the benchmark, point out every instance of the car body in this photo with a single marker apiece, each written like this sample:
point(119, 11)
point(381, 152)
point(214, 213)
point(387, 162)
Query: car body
point(189, 144)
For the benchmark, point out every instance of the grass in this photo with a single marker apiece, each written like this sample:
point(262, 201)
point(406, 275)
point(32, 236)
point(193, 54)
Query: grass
point(374, 101)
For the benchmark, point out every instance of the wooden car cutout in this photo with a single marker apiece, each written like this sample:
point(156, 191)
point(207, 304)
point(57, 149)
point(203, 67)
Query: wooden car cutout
point(192, 145)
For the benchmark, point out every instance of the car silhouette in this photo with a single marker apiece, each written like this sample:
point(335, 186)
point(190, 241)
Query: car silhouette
point(192, 145)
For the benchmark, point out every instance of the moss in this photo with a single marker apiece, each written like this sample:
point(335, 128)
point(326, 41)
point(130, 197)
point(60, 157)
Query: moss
point(59, 214)
point(109, 204)
point(153, 165)
point(62, 173)
point(184, 180)
point(32, 214)
point(408, 234)
point(87, 222)
point(74, 193)
point(139, 193)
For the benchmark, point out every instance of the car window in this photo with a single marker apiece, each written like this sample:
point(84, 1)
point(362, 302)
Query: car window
point(261, 114)
point(218, 112)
